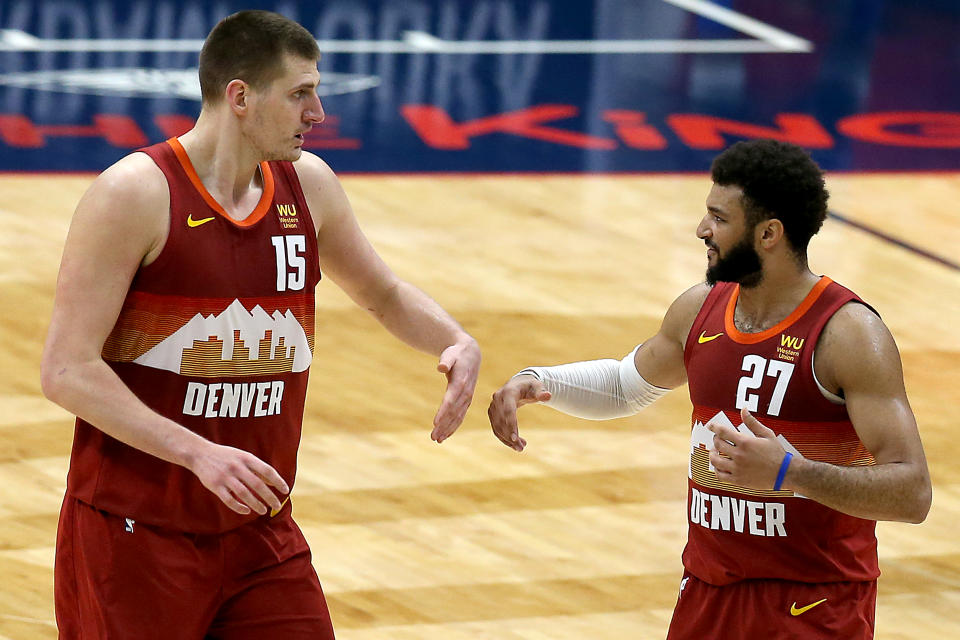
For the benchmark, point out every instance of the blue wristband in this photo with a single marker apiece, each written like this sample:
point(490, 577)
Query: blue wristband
point(787, 457)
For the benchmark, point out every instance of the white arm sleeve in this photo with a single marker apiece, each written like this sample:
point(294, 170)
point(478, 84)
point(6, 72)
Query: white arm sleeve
point(597, 389)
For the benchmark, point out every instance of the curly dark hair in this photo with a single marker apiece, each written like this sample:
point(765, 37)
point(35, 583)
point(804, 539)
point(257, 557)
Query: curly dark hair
point(779, 180)
point(250, 46)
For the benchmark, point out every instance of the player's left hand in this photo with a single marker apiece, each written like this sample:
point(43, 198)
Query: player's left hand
point(460, 362)
point(742, 459)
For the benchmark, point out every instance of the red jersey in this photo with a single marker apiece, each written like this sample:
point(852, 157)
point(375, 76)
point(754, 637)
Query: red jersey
point(735, 533)
point(215, 334)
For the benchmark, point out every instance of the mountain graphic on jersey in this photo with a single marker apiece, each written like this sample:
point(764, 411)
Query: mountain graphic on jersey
point(235, 342)
point(704, 474)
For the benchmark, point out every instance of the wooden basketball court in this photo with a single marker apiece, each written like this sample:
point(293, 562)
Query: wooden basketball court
point(580, 535)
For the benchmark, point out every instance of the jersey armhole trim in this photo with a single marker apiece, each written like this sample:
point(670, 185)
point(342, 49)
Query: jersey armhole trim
point(164, 255)
point(714, 297)
point(826, 393)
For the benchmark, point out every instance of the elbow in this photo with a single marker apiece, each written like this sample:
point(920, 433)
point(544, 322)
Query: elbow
point(919, 507)
point(918, 515)
point(51, 379)
point(924, 500)
point(48, 383)
point(378, 300)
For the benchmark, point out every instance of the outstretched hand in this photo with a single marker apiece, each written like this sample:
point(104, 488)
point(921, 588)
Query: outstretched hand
point(745, 460)
point(461, 364)
point(502, 412)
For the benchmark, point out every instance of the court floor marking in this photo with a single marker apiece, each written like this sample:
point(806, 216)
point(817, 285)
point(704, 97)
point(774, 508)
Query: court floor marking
point(912, 248)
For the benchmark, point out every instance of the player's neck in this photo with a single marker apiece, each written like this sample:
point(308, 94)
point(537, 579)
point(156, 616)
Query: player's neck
point(780, 291)
point(227, 167)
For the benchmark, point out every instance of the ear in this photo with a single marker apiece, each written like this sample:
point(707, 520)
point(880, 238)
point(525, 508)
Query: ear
point(769, 233)
point(237, 93)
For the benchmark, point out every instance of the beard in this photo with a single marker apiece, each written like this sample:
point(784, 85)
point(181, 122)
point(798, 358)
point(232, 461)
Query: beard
point(741, 264)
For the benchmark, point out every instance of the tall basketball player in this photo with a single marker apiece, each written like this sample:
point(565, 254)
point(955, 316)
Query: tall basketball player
point(802, 435)
point(182, 336)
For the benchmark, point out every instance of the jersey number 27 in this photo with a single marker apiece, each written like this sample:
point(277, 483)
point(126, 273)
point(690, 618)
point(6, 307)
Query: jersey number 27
point(756, 367)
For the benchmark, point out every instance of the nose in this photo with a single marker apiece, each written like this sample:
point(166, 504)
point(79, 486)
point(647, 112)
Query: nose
point(314, 113)
point(704, 230)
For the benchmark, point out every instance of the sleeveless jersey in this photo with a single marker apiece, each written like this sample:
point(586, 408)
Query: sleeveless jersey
point(735, 533)
point(215, 334)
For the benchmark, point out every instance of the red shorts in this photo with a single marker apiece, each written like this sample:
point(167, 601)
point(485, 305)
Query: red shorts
point(119, 579)
point(774, 609)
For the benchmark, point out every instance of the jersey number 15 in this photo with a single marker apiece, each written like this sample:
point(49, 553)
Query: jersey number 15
point(291, 263)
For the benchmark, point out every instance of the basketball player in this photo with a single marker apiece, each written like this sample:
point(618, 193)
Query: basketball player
point(802, 434)
point(182, 336)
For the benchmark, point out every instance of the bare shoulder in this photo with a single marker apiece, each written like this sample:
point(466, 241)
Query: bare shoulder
point(313, 172)
point(856, 326)
point(660, 358)
point(683, 311)
point(129, 201)
point(856, 346)
point(133, 176)
point(309, 163)
point(321, 188)
point(692, 299)
point(133, 186)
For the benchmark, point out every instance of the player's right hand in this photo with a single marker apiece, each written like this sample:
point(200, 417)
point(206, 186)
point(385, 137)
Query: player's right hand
point(517, 391)
point(240, 479)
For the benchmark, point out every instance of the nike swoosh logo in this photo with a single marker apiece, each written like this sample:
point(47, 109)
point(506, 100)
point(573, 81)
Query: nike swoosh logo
point(196, 223)
point(274, 512)
point(705, 338)
point(794, 611)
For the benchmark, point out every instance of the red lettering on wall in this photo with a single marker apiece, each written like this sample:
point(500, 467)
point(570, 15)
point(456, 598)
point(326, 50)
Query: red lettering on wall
point(120, 131)
point(915, 129)
point(18, 131)
point(706, 132)
point(174, 125)
point(926, 129)
point(632, 128)
point(438, 130)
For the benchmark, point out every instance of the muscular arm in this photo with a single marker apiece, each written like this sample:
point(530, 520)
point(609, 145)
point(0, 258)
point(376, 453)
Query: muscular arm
point(858, 355)
point(660, 359)
point(121, 223)
point(407, 312)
